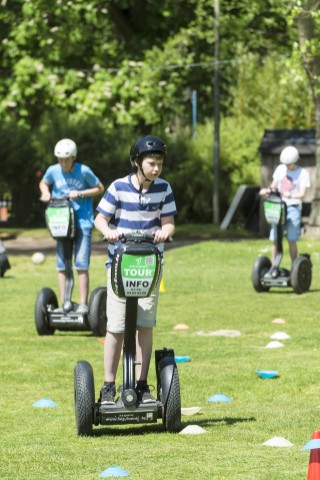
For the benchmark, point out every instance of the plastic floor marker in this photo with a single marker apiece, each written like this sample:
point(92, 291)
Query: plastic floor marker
point(280, 336)
point(266, 374)
point(45, 403)
point(278, 442)
point(181, 326)
point(184, 359)
point(193, 430)
point(219, 397)
point(114, 472)
point(279, 321)
point(190, 411)
point(274, 344)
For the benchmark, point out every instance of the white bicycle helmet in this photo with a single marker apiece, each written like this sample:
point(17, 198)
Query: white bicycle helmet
point(65, 148)
point(289, 155)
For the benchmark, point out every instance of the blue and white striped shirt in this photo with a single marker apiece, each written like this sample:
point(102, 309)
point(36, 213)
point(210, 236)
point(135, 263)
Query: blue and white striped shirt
point(130, 210)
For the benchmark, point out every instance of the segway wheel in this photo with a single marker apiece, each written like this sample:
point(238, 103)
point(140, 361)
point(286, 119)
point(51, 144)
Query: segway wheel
point(45, 298)
point(259, 269)
point(301, 274)
point(83, 397)
point(172, 410)
point(98, 311)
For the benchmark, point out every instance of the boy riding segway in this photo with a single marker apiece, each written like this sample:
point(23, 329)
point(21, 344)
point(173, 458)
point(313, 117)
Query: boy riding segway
point(136, 215)
point(283, 210)
point(68, 188)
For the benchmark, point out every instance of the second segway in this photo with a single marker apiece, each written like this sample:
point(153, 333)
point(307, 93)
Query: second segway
point(61, 223)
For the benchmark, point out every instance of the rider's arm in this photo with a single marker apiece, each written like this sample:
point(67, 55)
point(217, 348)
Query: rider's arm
point(299, 196)
point(45, 191)
point(268, 190)
point(88, 192)
point(102, 224)
point(167, 229)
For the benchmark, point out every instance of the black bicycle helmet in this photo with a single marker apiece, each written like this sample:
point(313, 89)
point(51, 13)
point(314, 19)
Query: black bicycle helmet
point(146, 145)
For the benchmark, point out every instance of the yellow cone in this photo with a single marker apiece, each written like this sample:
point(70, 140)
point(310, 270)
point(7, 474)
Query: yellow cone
point(162, 287)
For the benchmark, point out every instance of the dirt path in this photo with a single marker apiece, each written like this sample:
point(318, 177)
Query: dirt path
point(27, 246)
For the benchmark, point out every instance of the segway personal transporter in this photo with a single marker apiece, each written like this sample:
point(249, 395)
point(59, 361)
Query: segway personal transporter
point(136, 269)
point(60, 219)
point(263, 276)
point(4, 261)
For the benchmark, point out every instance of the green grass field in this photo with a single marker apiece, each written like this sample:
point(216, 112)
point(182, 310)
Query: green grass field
point(208, 287)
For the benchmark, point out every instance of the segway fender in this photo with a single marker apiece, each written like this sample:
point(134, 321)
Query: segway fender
point(88, 378)
point(166, 368)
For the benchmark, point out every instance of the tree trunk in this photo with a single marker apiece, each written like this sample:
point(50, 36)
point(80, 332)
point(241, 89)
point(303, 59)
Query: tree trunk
point(309, 40)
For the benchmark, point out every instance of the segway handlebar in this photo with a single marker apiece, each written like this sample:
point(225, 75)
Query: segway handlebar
point(273, 192)
point(138, 238)
point(55, 199)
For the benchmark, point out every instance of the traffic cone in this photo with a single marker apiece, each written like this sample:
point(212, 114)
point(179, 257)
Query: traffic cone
point(162, 287)
point(314, 462)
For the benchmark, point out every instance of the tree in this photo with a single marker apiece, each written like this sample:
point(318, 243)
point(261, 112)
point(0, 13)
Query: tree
point(307, 18)
point(129, 66)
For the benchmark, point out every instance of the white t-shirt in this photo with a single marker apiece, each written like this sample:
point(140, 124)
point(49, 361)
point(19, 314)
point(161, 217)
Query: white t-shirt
point(291, 181)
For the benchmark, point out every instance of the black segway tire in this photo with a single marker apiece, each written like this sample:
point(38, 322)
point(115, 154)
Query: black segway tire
point(97, 316)
point(301, 274)
point(45, 298)
point(83, 397)
point(172, 409)
point(259, 269)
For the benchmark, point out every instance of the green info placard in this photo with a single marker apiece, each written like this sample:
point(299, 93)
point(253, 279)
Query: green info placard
point(58, 220)
point(273, 212)
point(137, 273)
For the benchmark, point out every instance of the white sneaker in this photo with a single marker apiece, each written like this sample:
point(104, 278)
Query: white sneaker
point(83, 308)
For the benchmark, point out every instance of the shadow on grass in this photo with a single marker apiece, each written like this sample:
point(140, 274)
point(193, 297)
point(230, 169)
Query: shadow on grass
point(290, 292)
point(207, 422)
point(159, 428)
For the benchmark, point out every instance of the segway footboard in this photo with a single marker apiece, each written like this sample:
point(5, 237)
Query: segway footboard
point(119, 414)
point(68, 321)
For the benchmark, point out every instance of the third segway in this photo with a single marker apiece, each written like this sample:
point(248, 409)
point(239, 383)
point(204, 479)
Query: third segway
point(264, 275)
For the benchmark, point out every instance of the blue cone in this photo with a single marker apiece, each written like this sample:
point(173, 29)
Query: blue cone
point(114, 472)
point(267, 373)
point(182, 359)
point(45, 402)
point(312, 445)
point(219, 397)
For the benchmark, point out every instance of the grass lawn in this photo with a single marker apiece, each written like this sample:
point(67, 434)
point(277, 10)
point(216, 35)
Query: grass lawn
point(208, 287)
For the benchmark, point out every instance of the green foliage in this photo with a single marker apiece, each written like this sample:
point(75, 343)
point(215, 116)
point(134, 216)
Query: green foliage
point(190, 166)
point(101, 60)
point(275, 93)
point(104, 73)
point(240, 160)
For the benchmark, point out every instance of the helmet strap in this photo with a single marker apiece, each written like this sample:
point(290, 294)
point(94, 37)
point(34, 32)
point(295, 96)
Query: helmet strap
point(143, 174)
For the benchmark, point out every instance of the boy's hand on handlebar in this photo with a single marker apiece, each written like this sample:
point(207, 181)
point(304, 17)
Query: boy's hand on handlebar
point(160, 236)
point(111, 236)
point(265, 191)
point(45, 197)
point(73, 194)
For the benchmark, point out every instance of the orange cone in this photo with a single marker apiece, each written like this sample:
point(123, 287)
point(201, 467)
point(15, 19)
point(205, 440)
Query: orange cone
point(314, 462)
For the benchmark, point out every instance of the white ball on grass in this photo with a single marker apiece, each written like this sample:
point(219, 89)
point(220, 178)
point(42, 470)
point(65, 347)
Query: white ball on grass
point(38, 258)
